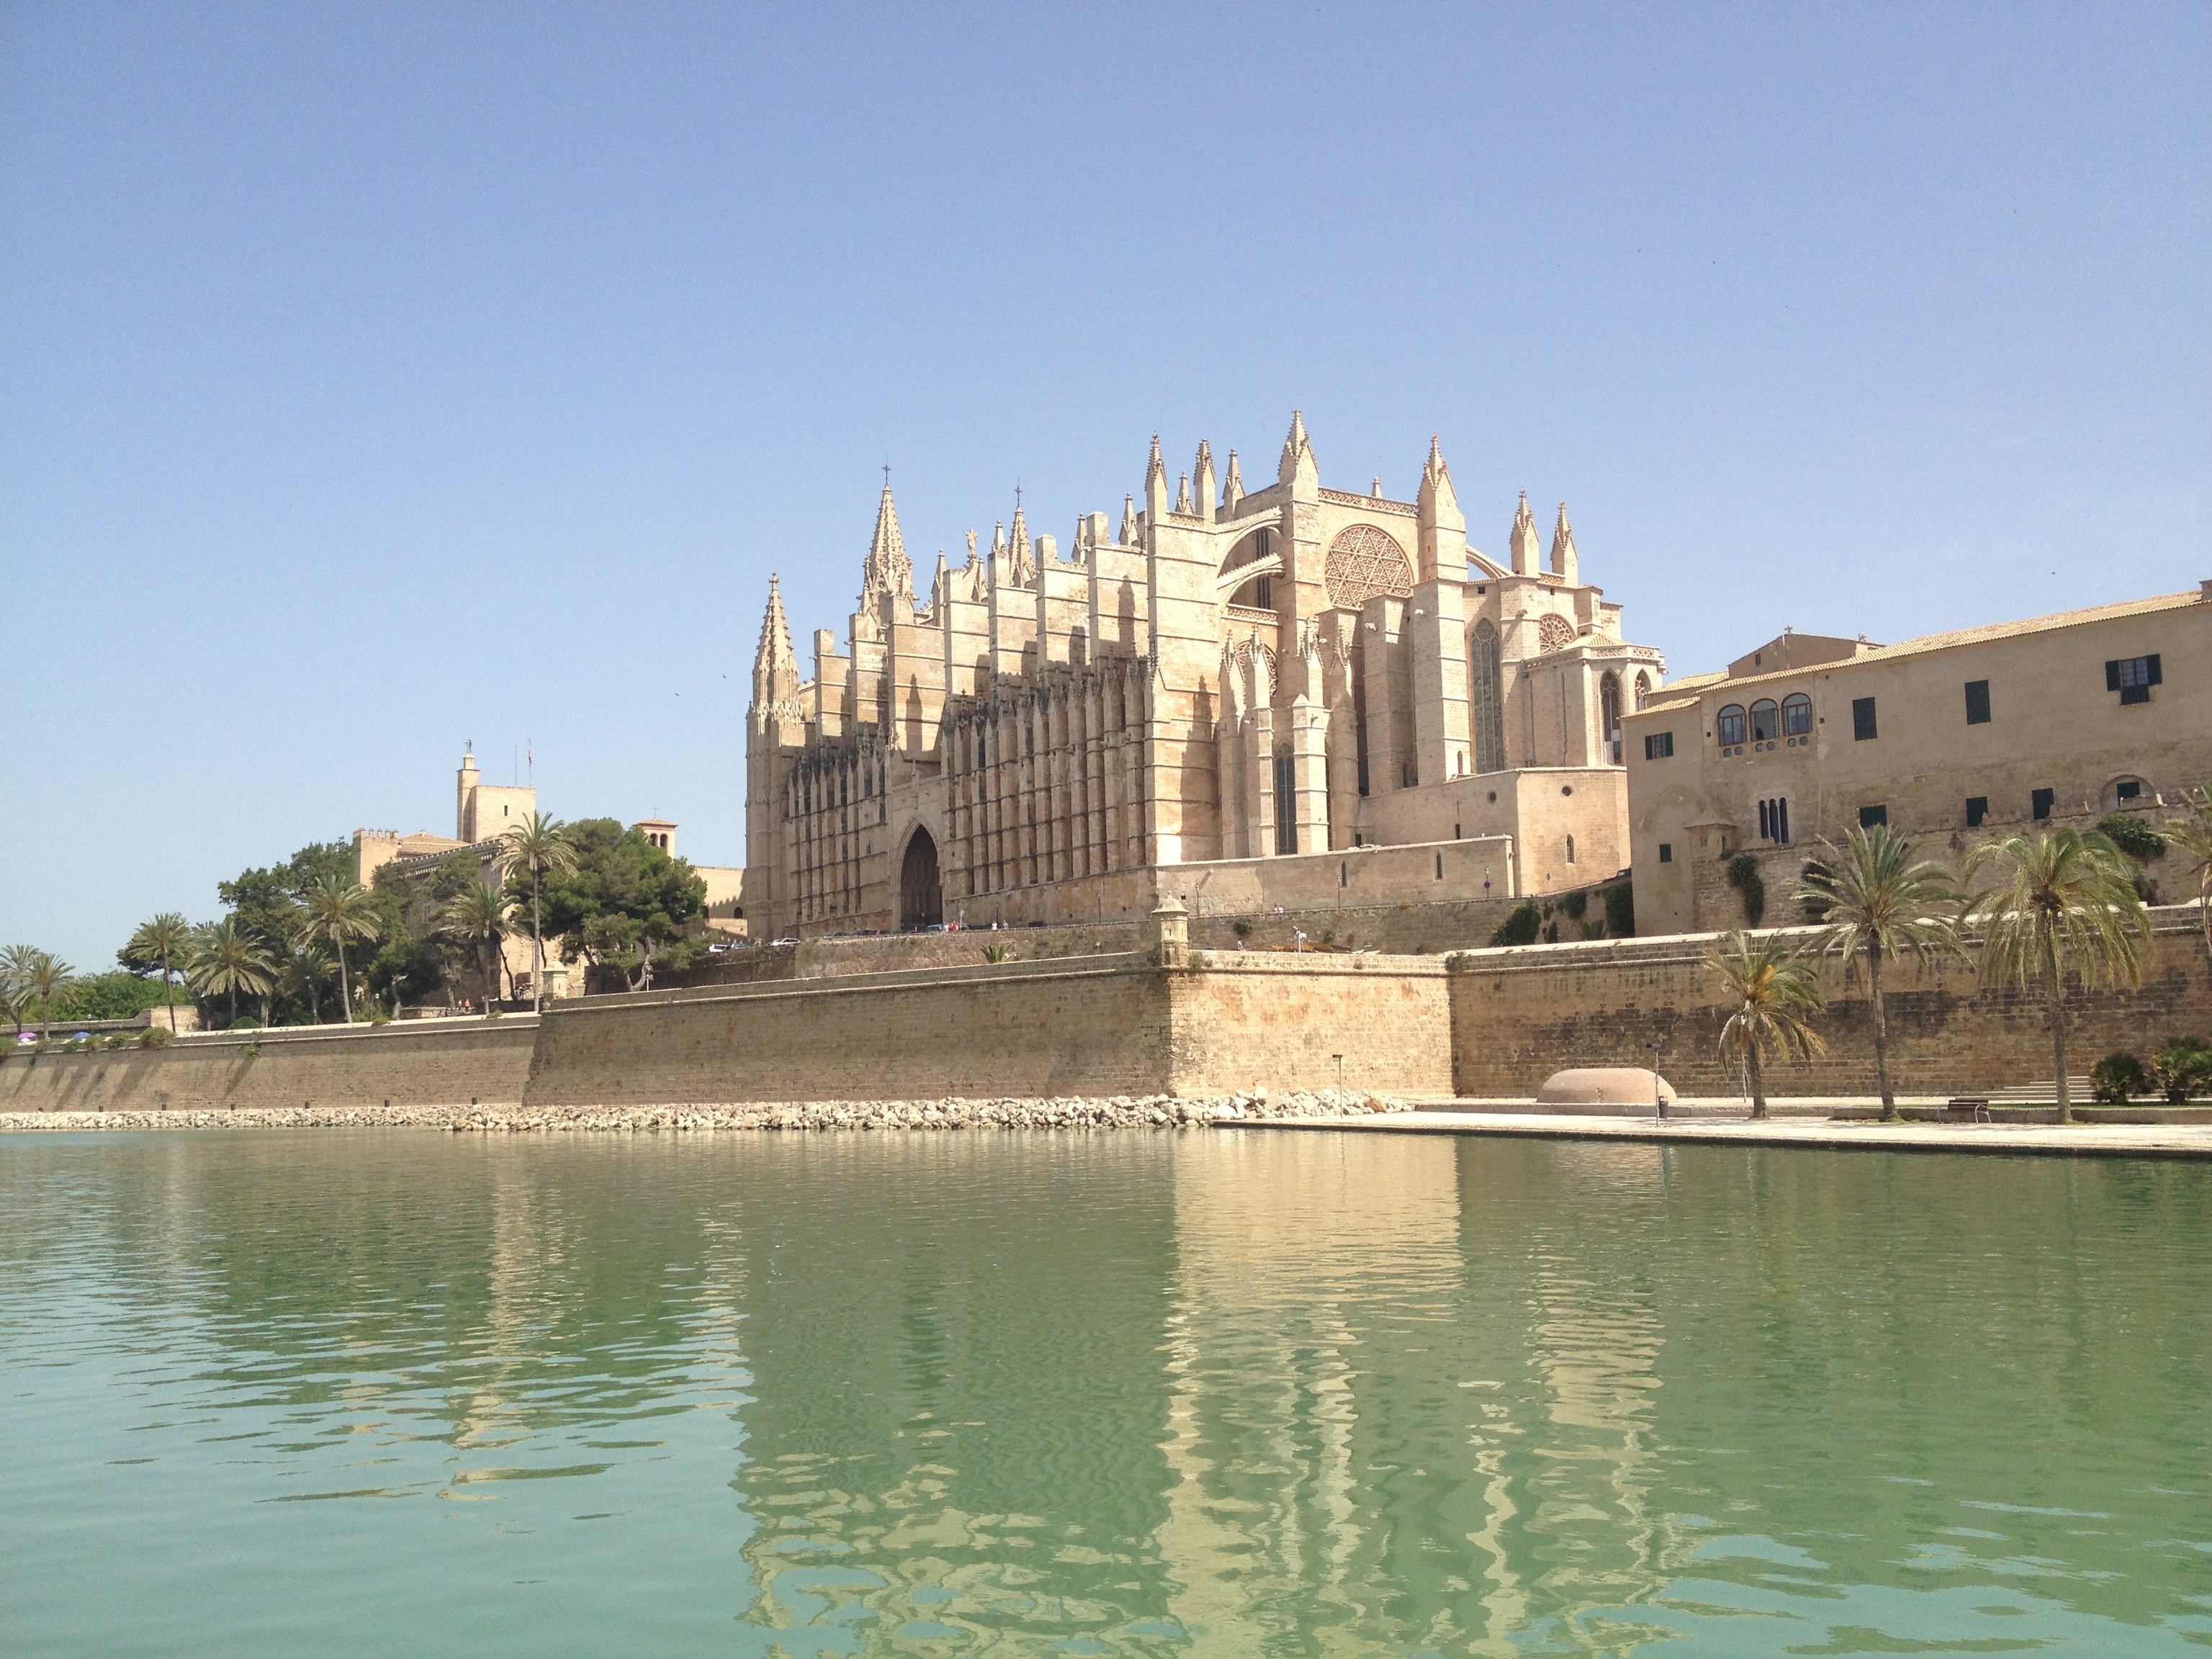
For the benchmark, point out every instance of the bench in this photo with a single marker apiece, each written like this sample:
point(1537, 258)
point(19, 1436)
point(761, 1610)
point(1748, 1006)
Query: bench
point(1966, 1108)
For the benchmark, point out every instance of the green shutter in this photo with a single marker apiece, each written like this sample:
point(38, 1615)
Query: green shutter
point(2112, 675)
point(2151, 663)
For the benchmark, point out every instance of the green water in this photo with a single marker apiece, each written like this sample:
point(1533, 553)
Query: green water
point(399, 1392)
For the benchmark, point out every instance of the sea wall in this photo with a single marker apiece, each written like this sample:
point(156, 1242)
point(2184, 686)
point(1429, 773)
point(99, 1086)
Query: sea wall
point(1095, 1026)
point(1379, 1023)
point(447, 1062)
point(1520, 1014)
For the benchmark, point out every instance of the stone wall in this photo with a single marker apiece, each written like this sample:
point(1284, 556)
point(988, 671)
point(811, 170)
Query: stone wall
point(1082, 1026)
point(1382, 1024)
point(1519, 1015)
point(450, 1062)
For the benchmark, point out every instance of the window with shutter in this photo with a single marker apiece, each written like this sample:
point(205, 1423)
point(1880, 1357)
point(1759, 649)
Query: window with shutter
point(1863, 722)
point(1977, 702)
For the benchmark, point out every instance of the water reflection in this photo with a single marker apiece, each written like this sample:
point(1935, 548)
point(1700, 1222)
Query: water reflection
point(1106, 1393)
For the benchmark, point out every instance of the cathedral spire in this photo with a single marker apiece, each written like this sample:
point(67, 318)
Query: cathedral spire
point(1564, 560)
point(776, 665)
point(1201, 474)
point(1299, 467)
point(1232, 487)
point(1020, 571)
point(1524, 540)
point(1184, 503)
point(1128, 538)
point(888, 570)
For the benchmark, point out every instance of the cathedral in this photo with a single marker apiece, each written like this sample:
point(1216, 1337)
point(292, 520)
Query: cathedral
point(1291, 696)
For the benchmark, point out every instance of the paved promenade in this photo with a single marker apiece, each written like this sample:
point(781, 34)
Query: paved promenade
point(2075, 1140)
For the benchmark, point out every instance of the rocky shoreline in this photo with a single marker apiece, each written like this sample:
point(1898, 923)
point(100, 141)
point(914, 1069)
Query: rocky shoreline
point(1118, 1112)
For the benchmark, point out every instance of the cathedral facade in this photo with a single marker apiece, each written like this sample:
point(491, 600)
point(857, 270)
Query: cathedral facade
point(1284, 697)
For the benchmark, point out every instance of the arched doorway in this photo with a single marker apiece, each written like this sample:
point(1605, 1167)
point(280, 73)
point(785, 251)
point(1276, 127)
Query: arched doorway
point(922, 902)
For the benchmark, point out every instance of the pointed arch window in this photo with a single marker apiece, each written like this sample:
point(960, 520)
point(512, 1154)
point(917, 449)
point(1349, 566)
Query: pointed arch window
point(1489, 700)
point(1609, 705)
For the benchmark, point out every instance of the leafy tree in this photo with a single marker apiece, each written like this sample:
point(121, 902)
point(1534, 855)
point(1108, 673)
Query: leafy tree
point(538, 848)
point(226, 959)
point(1879, 902)
point(408, 967)
point(2063, 900)
point(164, 939)
point(115, 996)
point(1772, 988)
point(626, 902)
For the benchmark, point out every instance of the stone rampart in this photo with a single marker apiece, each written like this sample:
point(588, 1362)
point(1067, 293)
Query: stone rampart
point(1379, 1024)
point(1095, 1026)
point(1520, 1014)
point(448, 1063)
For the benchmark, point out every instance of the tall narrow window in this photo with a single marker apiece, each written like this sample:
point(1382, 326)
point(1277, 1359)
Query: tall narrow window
point(1608, 716)
point(1977, 702)
point(1489, 701)
point(1571, 849)
point(1796, 716)
point(1287, 803)
point(1643, 689)
point(1862, 723)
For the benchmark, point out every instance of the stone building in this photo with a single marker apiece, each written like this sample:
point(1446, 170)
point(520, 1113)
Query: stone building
point(482, 813)
point(1949, 738)
point(1261, 698)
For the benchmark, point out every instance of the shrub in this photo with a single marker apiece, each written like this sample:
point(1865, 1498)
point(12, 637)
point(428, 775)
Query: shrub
point(2182, 1068)
point(1521, 928)
point(996, 953)
point(1574, 904)
point(1328, 936)
point(2116, 1077)
point(1620, 911)
point(2133, 836)
point(1241, 927)
point(154, 1037)
point(1743, 876)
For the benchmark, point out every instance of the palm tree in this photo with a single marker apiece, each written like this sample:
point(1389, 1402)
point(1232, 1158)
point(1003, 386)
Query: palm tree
point(337, 910)
point(1880, 902)
point(46, 975)
point(543, 847)
point(167, 937)
point(2190, 836)
point(1772, 988)
point(479, 914)
point(2065, 899)
point(16, 981)
point(226, 960)
point(307, 967)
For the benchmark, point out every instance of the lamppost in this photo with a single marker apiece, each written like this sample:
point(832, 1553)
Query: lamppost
point(1658, 1099)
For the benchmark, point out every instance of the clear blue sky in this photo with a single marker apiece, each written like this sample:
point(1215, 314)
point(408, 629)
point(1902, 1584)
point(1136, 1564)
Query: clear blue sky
point(374, 377)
